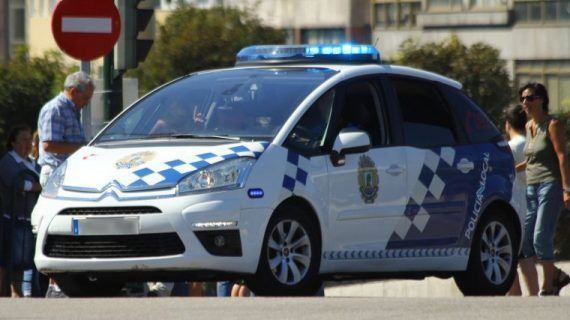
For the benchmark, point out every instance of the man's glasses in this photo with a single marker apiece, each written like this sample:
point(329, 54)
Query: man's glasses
point(530, 98)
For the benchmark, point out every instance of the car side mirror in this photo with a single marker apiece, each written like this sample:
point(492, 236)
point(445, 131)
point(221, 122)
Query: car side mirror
point(349, 140)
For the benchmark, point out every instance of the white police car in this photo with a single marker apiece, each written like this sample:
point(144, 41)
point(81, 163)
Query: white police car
point(300, 164)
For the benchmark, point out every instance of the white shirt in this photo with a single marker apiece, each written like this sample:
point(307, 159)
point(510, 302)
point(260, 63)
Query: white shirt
point(519, 186)
point(29, 163)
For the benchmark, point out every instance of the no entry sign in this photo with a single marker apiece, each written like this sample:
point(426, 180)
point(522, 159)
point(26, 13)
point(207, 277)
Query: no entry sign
point(86, 29)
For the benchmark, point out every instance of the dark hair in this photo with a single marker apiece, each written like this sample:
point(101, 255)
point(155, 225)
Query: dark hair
point(14, 131)
point(515, 117)
point(538, 89)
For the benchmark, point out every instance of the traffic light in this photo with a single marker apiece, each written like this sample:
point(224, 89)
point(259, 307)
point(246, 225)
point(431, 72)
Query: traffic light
point(137, 36)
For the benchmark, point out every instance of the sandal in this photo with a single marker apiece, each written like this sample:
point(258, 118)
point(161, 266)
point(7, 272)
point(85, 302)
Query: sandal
point(561, 279)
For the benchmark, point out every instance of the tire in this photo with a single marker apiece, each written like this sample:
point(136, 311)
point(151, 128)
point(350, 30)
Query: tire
point(493, 259)
point(79, 285)
point(292, 246)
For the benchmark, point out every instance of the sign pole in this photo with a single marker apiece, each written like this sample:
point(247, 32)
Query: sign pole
point(86, 111)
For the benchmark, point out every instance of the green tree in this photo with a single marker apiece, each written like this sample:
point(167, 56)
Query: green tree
point(479, 68)
point(26, 84)
point(193, 39)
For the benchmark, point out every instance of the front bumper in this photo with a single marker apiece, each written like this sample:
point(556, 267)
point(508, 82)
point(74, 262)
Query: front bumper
point(183, 216)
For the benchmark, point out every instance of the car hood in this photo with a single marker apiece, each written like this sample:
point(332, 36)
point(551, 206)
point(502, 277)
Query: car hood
point(93, 169)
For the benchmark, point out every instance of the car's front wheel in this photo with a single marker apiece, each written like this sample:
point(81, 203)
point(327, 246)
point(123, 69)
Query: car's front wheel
point(290, 258)
point(493, 259)
point(79, 285)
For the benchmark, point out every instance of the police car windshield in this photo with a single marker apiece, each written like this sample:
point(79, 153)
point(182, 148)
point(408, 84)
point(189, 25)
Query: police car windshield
point(245, 103)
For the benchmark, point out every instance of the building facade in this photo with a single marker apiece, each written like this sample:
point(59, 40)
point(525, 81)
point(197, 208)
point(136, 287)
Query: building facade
point(533, 36)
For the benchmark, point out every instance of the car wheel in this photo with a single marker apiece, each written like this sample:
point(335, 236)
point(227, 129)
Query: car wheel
point(493, 259)
point(290, 257)
point(79, 285)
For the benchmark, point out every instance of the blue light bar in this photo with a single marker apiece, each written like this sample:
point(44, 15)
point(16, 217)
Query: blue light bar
point(337, 53)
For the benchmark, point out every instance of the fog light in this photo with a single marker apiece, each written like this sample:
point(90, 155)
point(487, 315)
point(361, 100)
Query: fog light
point(220, 241)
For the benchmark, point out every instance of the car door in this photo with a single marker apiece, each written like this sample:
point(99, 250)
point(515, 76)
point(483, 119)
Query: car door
point(441, 169)
point(367, 191)
point(484, 138)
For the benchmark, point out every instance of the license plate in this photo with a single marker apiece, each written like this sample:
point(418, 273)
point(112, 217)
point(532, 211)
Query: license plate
point(105, 226)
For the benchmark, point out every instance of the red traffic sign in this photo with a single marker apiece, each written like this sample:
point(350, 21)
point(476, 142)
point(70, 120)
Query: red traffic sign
point(86, 29)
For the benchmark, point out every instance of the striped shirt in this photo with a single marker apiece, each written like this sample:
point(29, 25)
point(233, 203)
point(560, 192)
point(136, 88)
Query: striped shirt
point(59, 121)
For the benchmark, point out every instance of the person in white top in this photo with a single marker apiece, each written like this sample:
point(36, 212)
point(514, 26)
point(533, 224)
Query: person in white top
point(515, 120)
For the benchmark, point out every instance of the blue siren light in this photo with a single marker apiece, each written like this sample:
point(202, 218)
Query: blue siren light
point(337, 53)
point(255, 193)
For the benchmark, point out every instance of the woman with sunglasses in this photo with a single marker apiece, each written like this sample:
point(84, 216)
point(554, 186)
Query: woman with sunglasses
point(548, 187)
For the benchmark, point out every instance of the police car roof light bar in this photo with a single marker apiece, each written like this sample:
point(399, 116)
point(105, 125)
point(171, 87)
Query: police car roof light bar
point(336, 53)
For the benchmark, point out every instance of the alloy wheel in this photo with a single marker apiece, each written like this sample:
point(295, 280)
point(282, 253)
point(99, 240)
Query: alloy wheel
point(289, 252)
point(496, 252)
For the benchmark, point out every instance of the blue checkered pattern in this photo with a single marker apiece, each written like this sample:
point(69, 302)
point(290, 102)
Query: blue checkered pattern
point(167, 174)
point(395, 253)
point(296, 173)
point(59, 121)
point(428, 185)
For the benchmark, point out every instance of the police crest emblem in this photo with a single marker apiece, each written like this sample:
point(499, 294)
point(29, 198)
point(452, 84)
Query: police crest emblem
point(134, 160)
point(367, 179)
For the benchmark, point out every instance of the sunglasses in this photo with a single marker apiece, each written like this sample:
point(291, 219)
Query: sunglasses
point(530, 98)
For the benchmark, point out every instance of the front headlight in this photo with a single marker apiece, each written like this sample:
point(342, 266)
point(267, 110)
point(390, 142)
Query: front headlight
point(54, 181)
point(228, 174)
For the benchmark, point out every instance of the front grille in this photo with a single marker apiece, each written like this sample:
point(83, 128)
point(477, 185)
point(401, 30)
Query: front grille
point(123, 246)
point(109, 211)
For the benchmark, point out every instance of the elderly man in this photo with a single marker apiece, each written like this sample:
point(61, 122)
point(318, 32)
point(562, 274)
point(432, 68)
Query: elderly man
point(59, 124)
point(61, 133)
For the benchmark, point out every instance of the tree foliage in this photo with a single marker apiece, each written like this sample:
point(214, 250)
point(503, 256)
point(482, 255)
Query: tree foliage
point(478, 67)
point(26, 84)
point(193, 39)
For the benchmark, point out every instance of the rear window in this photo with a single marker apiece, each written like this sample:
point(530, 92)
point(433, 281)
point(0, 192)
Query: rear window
point(477, 125)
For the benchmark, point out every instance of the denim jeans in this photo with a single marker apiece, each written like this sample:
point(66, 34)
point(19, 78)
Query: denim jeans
point(544, 202)
point(224, 288)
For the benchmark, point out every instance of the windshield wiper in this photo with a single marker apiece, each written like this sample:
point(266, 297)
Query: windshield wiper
point(205, 136)
point(174, 136)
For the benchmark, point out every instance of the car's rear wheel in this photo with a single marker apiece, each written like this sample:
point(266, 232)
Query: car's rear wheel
point(493, 259)
point(79, 285)
point(290, 257)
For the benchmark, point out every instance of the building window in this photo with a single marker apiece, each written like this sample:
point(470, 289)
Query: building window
point(555, 75)
point(543, 12)
point(489, 3)
point(445, 5)
point(17, 22)
point(396, 14)
point(325, 36)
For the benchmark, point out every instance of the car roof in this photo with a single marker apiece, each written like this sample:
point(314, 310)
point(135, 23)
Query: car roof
point(350, 71)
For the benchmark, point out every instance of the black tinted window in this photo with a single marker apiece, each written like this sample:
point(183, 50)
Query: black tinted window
point(427, 120)
point(308, 135)
point(476, 123)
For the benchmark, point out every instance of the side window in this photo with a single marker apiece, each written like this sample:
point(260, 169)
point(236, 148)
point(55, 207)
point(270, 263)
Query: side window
point(427, 120)
point(309, 134)
point(478, 127)
point(360, 110)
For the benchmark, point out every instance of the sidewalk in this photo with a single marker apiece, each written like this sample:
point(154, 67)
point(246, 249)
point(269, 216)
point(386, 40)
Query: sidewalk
point(429, 287)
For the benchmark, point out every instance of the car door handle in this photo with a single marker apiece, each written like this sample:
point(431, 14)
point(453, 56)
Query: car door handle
point(395, 170)
point(465, 165)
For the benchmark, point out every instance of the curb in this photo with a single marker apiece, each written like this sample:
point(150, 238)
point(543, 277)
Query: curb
point(431, 287)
